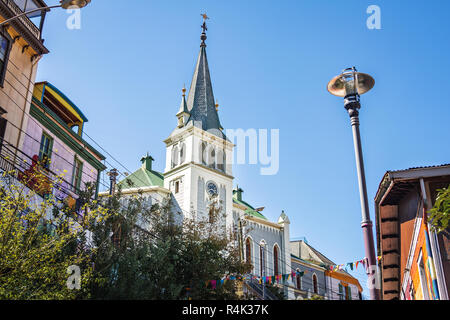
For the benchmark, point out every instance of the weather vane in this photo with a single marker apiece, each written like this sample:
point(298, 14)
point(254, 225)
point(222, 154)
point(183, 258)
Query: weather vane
point(205, 17)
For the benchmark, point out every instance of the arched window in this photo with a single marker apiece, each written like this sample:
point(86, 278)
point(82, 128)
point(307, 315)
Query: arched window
point(182, 153)
point(202, 151)
point(275, 260)
point(314, 278)
point(212, 158)
point(174, 157)
point(299, 280)
point(262, 259)
point(248, 251)
point(221, 160)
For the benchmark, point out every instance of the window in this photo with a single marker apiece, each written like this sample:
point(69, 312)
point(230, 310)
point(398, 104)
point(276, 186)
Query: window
point(221, 160)
point(174, 157)
point(275, 260)
point(3, 122)
point(262, 259)
point(77, 174)
point(248, 251)
point(314, 278)
point(341, 292)
point(212, 158)
point(202, 155)
point(4, 54)
point(45, 151)
point(182, 153)
point(348, 293)
point(177, 186)
point(299, 280)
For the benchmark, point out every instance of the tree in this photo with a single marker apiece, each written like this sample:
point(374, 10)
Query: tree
point(154, 253)
point(440, 213)
point(40, 238)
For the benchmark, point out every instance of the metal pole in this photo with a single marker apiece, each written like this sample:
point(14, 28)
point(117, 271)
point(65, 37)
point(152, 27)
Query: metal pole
point(112, 177)
point(28, 12)
point(352, 105)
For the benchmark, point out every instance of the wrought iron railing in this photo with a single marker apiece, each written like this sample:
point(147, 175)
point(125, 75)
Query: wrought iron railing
point(24, 19)
point(19, 165)
point(258, 289)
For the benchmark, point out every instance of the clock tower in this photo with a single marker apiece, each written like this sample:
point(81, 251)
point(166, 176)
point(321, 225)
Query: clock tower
point(198, 154)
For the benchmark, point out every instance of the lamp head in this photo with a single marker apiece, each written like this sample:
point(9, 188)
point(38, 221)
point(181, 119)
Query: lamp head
point(70, 4)
point(350, 83)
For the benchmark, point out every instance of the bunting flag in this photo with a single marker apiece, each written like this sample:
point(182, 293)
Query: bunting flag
point(288, 276)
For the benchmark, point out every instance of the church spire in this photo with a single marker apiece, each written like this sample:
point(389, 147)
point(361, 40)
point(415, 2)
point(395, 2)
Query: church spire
point(201, 103)
point(183, 112)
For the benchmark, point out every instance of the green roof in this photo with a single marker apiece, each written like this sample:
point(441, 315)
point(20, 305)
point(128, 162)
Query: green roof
point(142, 178)
point(250, 210)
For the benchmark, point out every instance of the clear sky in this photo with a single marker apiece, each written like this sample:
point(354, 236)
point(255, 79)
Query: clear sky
point(270, 62)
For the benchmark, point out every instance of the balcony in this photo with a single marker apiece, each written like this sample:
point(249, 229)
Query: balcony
point(26, 170)
point(24, 25)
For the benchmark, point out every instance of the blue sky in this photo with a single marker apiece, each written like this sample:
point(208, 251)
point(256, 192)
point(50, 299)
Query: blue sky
point(270, 62)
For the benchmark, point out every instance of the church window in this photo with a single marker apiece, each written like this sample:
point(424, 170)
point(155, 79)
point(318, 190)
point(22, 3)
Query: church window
point(177, 186)
point(203, 153)
point(299, 280)
point(314, 278)
point(262, 259)
point(221, 160)
point(275, 260)
point(248, 251)
point(182, 153)
point(174, 157)
point(212, 158)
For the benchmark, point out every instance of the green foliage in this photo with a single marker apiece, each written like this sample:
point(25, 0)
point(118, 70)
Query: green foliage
point(125, 250)
point(276, 290)
point(39, 240)
point(158, 255)
point(440, 213)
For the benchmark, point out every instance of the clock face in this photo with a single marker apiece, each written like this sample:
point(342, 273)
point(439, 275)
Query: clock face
point(211, 188)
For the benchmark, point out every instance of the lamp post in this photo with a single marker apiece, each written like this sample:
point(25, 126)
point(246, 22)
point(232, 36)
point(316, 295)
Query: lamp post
point(65, 4)
point(350, 84)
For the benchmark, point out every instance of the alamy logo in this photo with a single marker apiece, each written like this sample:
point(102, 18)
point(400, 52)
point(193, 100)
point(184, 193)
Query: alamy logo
point(74, 280)
point(374, 20)
point(73, 22)
point(258, 148)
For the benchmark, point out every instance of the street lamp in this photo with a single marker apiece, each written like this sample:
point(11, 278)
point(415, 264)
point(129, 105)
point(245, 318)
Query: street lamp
point(65, 4)
point(350, 84)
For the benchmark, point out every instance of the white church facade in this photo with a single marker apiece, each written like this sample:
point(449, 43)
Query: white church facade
point(198, 167)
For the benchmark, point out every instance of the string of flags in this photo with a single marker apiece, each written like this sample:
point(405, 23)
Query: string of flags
point(351, 265)
point(284, 277)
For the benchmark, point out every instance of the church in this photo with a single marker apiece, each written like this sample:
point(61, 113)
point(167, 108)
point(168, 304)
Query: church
point(198, 168)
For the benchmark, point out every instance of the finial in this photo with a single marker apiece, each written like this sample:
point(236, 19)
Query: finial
point(203, 36)
point(184, 90)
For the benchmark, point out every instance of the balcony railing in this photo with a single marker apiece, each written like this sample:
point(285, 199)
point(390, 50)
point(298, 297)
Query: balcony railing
point(24, 19)
point(257, 288)
point(29, 172)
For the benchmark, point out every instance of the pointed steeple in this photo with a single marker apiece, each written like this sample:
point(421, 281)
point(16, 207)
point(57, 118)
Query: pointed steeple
point(183, 112)
point(201, 103)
